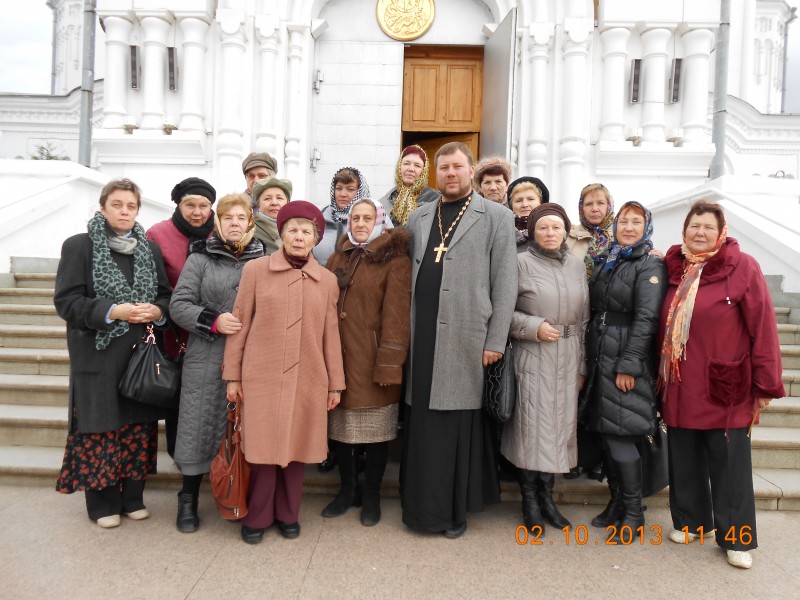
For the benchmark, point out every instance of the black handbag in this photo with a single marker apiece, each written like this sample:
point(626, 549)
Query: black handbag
point(655, 461)
point(500, 387)
point(151, 378)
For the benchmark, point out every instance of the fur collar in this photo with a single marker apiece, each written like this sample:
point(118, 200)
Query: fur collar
point(383, 249)
point(717, 268)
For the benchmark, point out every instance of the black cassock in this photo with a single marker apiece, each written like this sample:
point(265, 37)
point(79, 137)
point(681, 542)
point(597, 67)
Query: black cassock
point(448, 458)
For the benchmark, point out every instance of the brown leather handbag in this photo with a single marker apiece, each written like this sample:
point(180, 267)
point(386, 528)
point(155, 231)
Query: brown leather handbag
point(230, 473)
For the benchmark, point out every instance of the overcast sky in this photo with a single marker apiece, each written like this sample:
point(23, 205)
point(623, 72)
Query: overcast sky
point(26, 54)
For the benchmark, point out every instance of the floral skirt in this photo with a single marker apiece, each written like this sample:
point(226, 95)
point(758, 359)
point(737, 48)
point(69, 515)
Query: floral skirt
point(95, 461)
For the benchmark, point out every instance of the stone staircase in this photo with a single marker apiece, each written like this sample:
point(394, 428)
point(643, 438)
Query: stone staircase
point(34, 383)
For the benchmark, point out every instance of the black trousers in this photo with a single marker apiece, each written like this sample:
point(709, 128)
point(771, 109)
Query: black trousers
point(711, 485)
point(126, 496)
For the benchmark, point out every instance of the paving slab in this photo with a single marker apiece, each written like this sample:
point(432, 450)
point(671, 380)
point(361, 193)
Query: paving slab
point(61, 554)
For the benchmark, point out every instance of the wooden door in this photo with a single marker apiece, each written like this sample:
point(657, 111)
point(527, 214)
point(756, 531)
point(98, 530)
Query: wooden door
point(431, 145)
point(442, 89)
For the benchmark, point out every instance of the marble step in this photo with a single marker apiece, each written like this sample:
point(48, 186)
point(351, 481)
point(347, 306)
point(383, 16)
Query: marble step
point(33, 336)
point(789, 333)
point(34, 390)
point(782, 412)
point(35, 280)
point(790, 356)
point(34, 361)
point(776, 447)
point(24, 314)
point(782, 314)
point(33, 426)
point(775, 489)
point(26, 296)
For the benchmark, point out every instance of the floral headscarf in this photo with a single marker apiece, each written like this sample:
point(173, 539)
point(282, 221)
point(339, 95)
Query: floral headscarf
point(380, 219)
point(602, 234)
point(407, 195)
point(340, 214)
point(616, 250)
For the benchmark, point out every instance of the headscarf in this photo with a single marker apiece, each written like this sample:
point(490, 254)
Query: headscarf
point(339, 215)
point(235, 248)
point(602, 234)
point(108, 280)
point(616, 250)
point(380, 218)
point(406, 201)
point(679, 317)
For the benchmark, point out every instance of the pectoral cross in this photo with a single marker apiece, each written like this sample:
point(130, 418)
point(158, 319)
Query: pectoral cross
point(441, 248)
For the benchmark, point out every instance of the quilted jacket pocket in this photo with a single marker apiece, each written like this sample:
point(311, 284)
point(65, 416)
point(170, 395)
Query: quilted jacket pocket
point(729, 381)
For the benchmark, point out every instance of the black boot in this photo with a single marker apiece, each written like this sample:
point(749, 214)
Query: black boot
point(376, 457)
point(549, 509)
point(350, 492)
point(630, 484)
point(187, 520)
point(531, 513)
point(615, 509)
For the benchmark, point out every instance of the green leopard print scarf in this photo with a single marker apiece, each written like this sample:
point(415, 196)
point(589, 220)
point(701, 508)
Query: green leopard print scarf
point(109, 281)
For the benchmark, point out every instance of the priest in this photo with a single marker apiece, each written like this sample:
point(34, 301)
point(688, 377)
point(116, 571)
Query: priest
point(464, 288)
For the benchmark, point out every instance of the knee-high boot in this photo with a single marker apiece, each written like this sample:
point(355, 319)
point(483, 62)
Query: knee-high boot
point(376, 457)
point(350, 492)
point(531, 513)
point(615, 509)
point(550, 511)
point(630, 477)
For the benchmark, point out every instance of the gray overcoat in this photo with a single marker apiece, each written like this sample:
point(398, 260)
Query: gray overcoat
point(476, 299)
point(542, 432)
point(206, 288)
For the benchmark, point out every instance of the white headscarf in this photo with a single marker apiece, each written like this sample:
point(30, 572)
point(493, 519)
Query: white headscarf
point(380, 221)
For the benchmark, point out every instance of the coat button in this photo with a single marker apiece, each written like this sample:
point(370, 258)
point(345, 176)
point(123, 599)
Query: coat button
point(343, 315)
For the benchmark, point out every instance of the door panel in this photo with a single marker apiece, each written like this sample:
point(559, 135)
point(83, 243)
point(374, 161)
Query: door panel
point(423, 93)
point(498, 88)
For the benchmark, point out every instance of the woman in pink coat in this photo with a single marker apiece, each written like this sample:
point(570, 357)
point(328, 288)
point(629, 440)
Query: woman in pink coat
point(285, 366)
point(720, 364)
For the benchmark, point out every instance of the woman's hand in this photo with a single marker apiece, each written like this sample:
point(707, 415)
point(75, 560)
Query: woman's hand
point(489, 357)
point(227, 324)
point(656, 252)
point(121, 312)
point(624, 382)
point(234, 391)
point(547, 333)
point(144, 312)
point(762, 402)
point(333, 399)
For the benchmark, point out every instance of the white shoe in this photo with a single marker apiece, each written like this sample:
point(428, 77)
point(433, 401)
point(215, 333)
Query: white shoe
point(109, 521)
point(138, 515)
point(740, 558)
point(681, 537)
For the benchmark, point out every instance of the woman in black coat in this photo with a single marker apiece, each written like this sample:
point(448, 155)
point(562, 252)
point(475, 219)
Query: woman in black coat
point(110, 283)
point(619, 401)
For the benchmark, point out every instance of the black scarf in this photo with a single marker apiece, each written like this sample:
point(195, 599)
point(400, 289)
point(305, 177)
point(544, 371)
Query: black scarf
point(193, 233)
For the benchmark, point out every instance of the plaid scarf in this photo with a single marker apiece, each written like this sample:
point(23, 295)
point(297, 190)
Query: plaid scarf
point(339, 215)
point(679, 317)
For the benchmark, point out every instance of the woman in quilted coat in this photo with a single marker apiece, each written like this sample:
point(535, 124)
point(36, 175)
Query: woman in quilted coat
point(619, 400)
point(201, 304)
point(547, 332)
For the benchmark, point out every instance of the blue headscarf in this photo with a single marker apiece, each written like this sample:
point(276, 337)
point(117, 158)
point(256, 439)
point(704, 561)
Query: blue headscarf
point(617, 251)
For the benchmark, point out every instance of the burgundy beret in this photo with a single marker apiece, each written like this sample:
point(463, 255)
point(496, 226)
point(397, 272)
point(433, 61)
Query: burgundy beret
point(300, 209)
point(414, 150)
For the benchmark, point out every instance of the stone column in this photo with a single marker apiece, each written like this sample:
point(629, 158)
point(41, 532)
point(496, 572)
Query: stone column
point(297, 83)
point(653, 83)
point(115, 86)
point(155, 27)
point(230, 130)
point(193, 69)
point(612, 123)
point(540, 45)
point(575, 96)
point(697, 45)
point(267, 33)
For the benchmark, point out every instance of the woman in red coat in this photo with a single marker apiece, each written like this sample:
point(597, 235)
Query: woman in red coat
point(720, 364)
